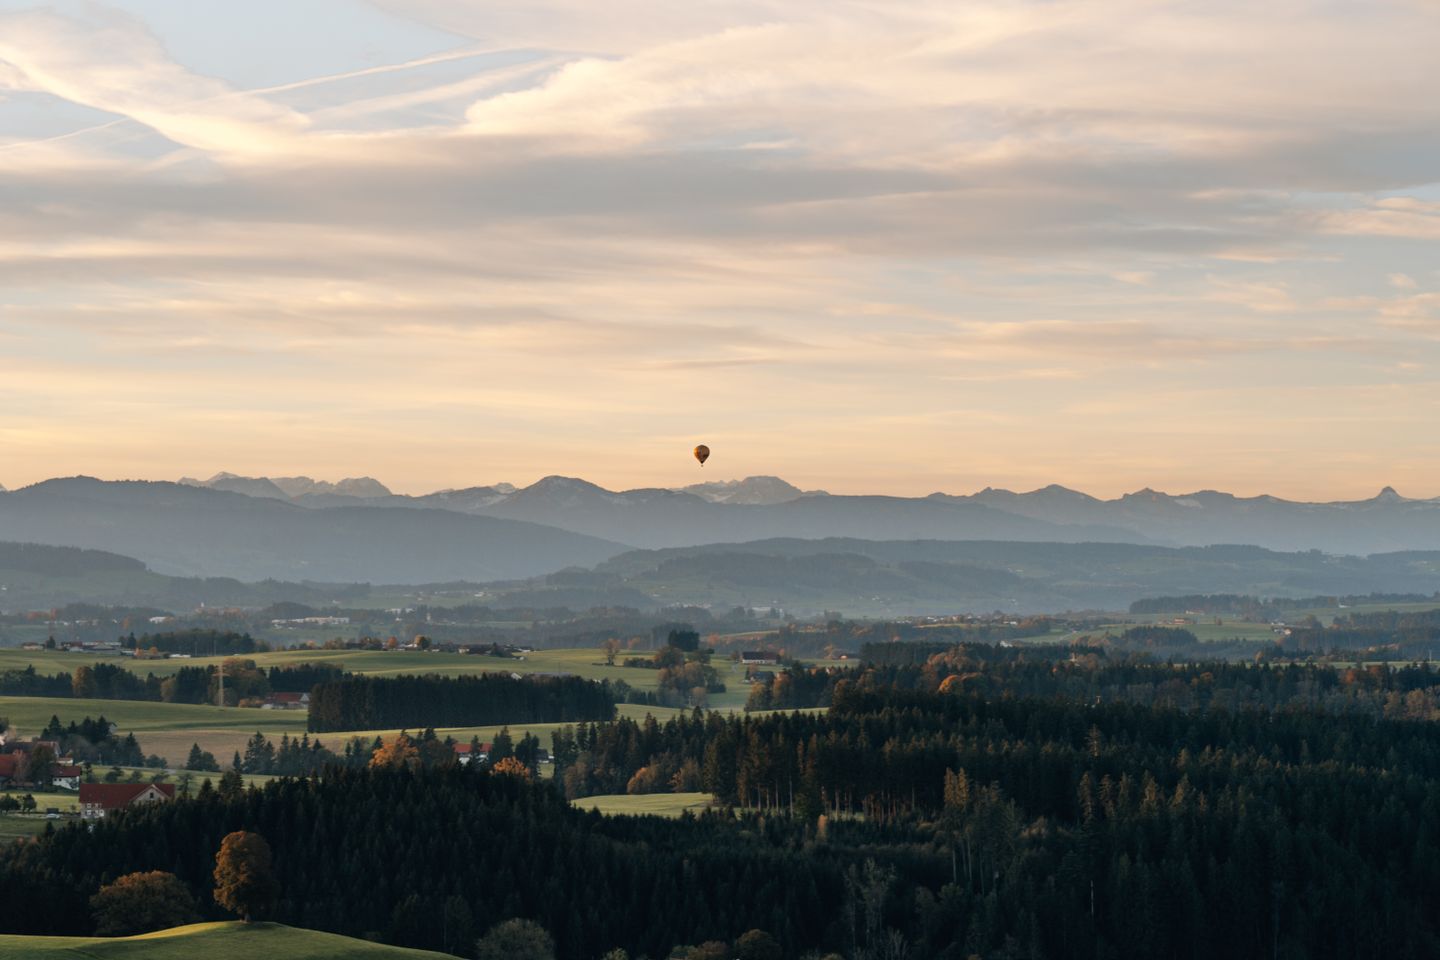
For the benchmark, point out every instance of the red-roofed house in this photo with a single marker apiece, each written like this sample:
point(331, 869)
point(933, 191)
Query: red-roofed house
point(8, 763)
point(66, 777)
point(99, 799)
point(464, 752)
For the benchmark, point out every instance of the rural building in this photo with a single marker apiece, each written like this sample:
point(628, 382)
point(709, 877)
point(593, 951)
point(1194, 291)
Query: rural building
point(769, 657)
point(13, 745)
point(286, 701)
point(66, 777)
point(99, 799)
point(9, 763)
point(465, 752)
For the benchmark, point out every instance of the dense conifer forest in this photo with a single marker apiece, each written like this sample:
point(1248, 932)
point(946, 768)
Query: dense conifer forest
point(978, 802)
point(379, 703)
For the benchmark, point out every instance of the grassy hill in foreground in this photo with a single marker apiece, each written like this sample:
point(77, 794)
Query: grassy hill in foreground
point(214, 941)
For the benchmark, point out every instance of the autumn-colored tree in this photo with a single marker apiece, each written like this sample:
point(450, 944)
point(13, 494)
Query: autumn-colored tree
point(82, 684)
point(141, 903)
point(512, 767)
point(400, 752)
point(244, 879)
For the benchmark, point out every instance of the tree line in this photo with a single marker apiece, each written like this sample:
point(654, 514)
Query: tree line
point(378, 703)
point(244, 681)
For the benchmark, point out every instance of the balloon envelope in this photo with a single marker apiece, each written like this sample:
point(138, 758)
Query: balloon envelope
point(702, 453)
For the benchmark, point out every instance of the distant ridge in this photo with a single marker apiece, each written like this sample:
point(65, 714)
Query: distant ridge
point(762, 506)
point(751, 490)
point(184, 530)
point(283, 488)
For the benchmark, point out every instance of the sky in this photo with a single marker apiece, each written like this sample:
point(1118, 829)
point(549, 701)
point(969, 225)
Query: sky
point(866, 246)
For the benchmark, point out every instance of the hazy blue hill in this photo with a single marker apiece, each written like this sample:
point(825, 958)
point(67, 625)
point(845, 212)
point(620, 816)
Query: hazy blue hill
point(924, 576)
point(195, 531)
point(38, 577)
point(48, 561)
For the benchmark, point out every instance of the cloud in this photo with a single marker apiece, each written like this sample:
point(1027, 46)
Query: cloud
point(741, 216)
point(1407, 217)
point(110, 61)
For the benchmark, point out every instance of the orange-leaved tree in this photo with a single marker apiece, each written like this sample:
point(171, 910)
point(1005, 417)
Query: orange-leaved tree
point(244, 879)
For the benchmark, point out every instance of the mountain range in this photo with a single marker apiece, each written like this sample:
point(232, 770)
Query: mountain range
point(191, 531)
point(760, 507)
point(957, 550)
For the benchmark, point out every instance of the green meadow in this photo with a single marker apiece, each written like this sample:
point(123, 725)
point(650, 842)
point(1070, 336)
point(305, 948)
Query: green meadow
point(213, 941)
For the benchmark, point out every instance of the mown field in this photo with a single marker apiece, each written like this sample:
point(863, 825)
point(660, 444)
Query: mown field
point(652, 804)
point(213, 941)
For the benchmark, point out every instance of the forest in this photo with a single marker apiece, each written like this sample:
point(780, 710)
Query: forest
point(379, 703)
point(984, 801)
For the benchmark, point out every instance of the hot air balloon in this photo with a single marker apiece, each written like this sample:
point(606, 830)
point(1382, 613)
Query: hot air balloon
point(702, 453)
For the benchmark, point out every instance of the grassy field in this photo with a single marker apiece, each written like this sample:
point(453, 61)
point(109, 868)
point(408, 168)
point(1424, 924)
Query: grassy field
point(169, 729)
point(652, 804)
point(582, 662)
point(213, 941)
point(15, 826)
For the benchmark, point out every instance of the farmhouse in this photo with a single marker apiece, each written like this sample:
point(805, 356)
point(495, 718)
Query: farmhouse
point(15, 745)
point(767, 657)
point(465, 752)
point(286, 701)
point(99, 799)
point(66, 776)
point(9, 772)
